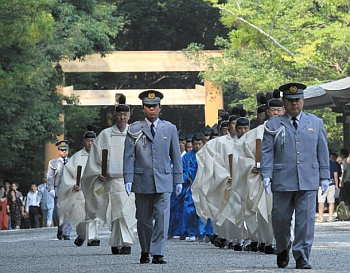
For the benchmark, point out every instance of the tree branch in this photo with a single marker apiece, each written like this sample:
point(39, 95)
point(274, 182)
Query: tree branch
point(267, 35)
point(260, 30)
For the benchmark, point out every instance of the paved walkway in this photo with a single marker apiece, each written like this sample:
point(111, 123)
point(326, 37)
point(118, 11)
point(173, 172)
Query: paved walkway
point(38, 250)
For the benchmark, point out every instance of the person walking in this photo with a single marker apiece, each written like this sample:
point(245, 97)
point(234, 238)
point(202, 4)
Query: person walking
point(71, 201)
point(294, 163)
point(54, 177)
point(46, 201)
point(3, 211)
point(150, 145)
point(103, 188)
point(32, 206)
point(192, 225)
point(329, 195)
point(15, 209)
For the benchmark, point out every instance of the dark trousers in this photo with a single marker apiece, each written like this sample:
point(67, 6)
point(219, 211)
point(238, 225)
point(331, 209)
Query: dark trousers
point(34, 216)
point(63, 229)
point(346, 192)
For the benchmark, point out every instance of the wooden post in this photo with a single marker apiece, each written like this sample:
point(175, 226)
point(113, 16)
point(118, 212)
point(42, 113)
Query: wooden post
point(213, 102)
point(257, 152)
point(104, 162)
point(230, 163)
point(78, 176)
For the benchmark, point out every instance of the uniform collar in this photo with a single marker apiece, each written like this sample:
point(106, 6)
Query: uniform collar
point(155, 123)
point(298, 116)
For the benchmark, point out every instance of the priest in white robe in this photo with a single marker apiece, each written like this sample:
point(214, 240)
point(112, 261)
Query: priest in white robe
point(103, 184)
point(71, 201)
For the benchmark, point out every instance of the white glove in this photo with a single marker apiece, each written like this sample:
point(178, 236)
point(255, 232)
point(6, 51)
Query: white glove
point(52, 193)
point(178, 189)
point(267, 185)
point(324, 185)
point(128, 188)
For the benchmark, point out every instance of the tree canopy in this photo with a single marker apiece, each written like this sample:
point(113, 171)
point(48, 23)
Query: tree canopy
point(278, 41)
point(265, 44)
point(274, 42)
point(35, 36)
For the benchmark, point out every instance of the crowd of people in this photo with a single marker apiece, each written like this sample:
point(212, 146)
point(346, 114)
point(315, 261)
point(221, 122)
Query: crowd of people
point(23, 212)
point(240, 184)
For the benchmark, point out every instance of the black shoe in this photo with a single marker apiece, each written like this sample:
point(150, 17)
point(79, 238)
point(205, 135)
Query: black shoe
point(270, 249)
point(238, 247)
point(121, 250)
point(283, 257)
point(59, 236)
point(221, 242)
point(79, 241)
point(115, 250)
point(65, 237)
point(144, 258)
point(262, 247)
point(230, 245)
point(254, 246)
point(158, 259)
point(124, 250)
point(248, 248)
point(93, 242)
point(213, 239)
point(182, 237)
point(301, 264)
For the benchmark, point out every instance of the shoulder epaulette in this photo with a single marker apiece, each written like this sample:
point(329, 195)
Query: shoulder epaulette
point(135, 122)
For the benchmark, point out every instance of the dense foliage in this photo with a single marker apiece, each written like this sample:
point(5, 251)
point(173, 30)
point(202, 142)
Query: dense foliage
point(265, 43)
point(274, 42)
point(35, 35)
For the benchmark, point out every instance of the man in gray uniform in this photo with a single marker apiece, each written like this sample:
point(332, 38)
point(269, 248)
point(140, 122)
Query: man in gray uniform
point(149, 147)
point(294, 163)
point(54, 177)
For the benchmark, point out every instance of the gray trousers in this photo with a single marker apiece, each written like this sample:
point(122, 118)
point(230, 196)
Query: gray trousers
point(152, 214)
point(304, 204)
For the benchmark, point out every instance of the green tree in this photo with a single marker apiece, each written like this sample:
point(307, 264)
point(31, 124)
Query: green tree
point(274, 42)
point(35, 36)
point(168, 24)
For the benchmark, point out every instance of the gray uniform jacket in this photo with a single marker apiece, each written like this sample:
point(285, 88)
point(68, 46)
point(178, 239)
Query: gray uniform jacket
point(147, 161)
point(44, 197)
point(54, 174)
point(295, 160)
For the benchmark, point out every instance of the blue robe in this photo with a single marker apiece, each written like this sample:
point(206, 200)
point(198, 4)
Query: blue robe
point(192, 224)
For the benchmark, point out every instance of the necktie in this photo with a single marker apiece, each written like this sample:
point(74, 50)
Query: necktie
point(152, 130)
point(64, 161)
point(295, 124)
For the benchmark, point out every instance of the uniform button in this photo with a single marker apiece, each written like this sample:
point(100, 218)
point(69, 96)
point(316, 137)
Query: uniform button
point(154, 151)
point(154, 160)
point(297, 142)
point(154, 169)
point(298, 162)
point(298, 152)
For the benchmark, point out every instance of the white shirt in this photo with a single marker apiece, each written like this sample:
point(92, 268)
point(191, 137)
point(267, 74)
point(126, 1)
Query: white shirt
point(155, 123)
point(31, 200)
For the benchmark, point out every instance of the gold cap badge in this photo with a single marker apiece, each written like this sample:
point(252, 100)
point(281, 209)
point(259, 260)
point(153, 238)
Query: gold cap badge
point(63, 144)
point(151, 96)
point(293, 89)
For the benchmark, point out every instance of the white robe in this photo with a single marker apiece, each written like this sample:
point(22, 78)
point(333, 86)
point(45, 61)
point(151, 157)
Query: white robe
point(211, 190)
point(71, 203)
point(108, 200)
point(255, 206)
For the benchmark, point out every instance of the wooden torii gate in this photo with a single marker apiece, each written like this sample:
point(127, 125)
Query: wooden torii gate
point(144, 61)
